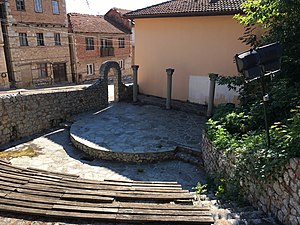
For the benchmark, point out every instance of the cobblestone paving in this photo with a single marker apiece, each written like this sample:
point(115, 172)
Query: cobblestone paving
point(139, 129)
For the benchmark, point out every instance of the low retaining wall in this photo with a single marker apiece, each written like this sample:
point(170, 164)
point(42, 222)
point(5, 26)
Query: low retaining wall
point(280, 197)
point(98, 153)
point(27, 113)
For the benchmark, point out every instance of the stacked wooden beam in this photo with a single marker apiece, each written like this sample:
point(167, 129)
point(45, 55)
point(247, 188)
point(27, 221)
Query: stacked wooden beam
point(37, 192)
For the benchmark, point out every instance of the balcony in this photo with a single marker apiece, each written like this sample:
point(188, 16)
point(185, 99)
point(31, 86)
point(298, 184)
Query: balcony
point(107, 51)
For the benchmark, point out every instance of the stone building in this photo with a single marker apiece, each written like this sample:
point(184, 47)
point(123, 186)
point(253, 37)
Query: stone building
point(35, 34)
point(94, 40)
point(4, 84)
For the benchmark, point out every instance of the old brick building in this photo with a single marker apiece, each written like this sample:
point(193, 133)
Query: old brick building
point(93, 40)
point(4, 84)
point(35, 34)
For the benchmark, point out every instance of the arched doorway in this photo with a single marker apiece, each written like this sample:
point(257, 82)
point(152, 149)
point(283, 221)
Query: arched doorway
point(115, 70)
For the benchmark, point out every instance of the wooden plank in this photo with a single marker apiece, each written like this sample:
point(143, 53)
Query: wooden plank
point(152, 196)
point(26, 204)
point(86, 209)
point(103, 217)
point(11, 167)
point(10, 180)
point(7, 188)
point(39, 193)
point(141, 182)
point(169, 212)
point(161, 206)
point(203, 220)
point(131, 211)
point(4, 193)
point(134, 195)
point(16, 176)
point(173, 186)
point(45, 188)
point(30, 197)
point(22, 210)
point(88, 198)
point(5, 161)
point(104, 192)
point(129, 193)
point(52, 200)
point(52, 173)
point(87, 204)
point(28, 175)
point(107, 186)
point(64, 184)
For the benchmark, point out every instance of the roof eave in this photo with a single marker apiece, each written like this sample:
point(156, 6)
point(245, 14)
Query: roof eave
point(188, 14)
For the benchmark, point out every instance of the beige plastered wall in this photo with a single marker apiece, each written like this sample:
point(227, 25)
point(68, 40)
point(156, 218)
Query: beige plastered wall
point(193, 46)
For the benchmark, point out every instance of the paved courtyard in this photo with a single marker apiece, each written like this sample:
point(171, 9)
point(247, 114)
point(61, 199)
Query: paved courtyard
point(139, 129)
point(116, 127)
point(56, 153)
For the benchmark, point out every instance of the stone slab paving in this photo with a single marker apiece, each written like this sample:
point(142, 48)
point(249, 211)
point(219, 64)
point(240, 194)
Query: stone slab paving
point(139, 129)
point(57, 154)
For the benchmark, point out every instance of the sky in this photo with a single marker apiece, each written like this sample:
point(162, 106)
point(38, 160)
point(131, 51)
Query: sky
point(100, 7)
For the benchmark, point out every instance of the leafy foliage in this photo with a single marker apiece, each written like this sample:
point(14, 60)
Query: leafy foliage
point(200, 188)
point(241, 130)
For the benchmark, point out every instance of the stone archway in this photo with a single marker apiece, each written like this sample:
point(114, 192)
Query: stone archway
point(118, 86)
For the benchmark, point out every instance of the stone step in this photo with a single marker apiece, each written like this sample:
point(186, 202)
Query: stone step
point(189, 158)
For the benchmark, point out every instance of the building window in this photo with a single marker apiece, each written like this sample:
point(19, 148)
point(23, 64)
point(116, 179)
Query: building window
point(106, 43)
point(90, 69)
point(121, 42)
point(121, 64)
point(55, 9)
point(42, 70)
point(20, 5)
point(57, 39)
point(38, 6)
point(89, 43)
point(107, 48)
point(23, 39)
point(40, 39)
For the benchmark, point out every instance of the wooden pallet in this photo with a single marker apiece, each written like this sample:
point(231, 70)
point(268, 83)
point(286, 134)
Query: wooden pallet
point(43, 193)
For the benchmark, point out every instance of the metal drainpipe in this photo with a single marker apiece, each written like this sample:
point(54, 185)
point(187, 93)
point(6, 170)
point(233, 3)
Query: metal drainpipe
point(11, 75)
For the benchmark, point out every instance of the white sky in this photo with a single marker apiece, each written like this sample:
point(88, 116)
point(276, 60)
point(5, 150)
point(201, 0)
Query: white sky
point(100, 7)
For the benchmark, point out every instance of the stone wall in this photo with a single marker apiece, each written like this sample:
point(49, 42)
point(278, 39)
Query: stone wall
point(24, 114)
point(279, 196)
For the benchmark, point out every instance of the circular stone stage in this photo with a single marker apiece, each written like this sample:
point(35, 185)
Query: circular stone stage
point(133, 133)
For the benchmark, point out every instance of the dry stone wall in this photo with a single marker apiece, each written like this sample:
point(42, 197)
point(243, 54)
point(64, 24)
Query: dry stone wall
point(279, 196)
point(24, 114)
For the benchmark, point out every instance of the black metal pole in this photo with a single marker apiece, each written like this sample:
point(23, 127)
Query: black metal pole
point(265, 100)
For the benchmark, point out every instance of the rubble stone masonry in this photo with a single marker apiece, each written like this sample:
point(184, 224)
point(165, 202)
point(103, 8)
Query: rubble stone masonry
point(278, 196)
point(24, 114)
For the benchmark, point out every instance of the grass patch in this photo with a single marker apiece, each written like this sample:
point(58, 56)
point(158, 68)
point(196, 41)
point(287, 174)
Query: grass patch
point(28, 151)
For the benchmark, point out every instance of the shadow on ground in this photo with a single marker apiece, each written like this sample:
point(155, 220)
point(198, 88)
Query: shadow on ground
point(185, 174)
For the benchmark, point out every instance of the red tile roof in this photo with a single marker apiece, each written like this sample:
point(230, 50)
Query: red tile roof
point(188, 8)
point(84, 23)
point(122, 11)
